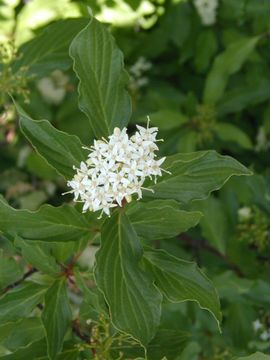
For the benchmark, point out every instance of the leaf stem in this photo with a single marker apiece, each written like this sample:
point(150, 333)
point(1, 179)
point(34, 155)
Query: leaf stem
point(200, 244)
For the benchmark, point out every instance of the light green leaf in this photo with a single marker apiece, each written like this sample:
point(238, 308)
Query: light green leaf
point(226, 64)
point(51, 224)
point(181, 280)
point(160, 219)
point(99, 66)
point(56, 317)
point(20, 334)
point(10, 270)
point(62, 151)
point(255, 356)
point(20, 302)
point(194, 176)
point(49, 51)
point(230, 132)
point(134, 302)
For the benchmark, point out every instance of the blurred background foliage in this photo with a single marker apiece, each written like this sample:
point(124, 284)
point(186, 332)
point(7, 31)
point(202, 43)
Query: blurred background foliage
point(206, 86)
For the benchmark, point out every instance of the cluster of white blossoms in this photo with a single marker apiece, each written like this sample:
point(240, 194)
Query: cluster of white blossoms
point(260, 328)
point(207, 10)
point(54, 87)
point(137, 73)
point(262, 139)
point(116, 169)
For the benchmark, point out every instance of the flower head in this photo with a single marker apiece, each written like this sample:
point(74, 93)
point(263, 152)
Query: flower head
point(207, 10)
point(116, 169)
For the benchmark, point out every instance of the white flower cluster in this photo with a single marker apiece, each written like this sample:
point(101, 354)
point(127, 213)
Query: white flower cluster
point(262, 138)
point(258, 326)
point(54, 87)
point(137, 71)
point(116, 169)
point(244, 213)
point(207, 10)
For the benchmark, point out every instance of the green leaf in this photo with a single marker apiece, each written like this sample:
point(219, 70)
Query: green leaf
point(56, 317)
point(10, 270)
point(230, 132)
point(239, 319)
point(134, 302)
point(51, 224)
point(167, 342)
point(93, 304)
point(160, 219)
point(168, 119)
point(214, 223)
point(194, 176)
point(181, 280)
point(39, 256)
point(62, 151)
point(99, 66)
point(244, 96)
point(255, 356)
point(226, 64)
point(36, 350)
point(22, 333)
point(20, 302)
point(49, 51)
point(206, 47)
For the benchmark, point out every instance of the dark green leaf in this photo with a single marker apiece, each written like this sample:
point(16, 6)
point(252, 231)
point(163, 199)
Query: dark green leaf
point(181, 280)
point(10, 270)
point(35, 350)
point(194, 175)
point(56, 317)
point(51, 224)
point(100, 68)
point(20, 302)
point(134, 302)
point(160, 219)
point(20, 334)
point(62, 151)
point(214, 223)
point(206, 47)
point(39, 256)
point(49, 51)
point(244, 96)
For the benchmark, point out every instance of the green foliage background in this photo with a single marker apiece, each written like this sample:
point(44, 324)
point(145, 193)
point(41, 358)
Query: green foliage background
point(205, 87)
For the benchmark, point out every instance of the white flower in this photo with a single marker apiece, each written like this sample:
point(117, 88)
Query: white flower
point(257, 325)
point(207, 10)
point(137, 70)
point(116, 169)
point(53, 88)
point(263, 144)
point(244, 213)
point(265, 335)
